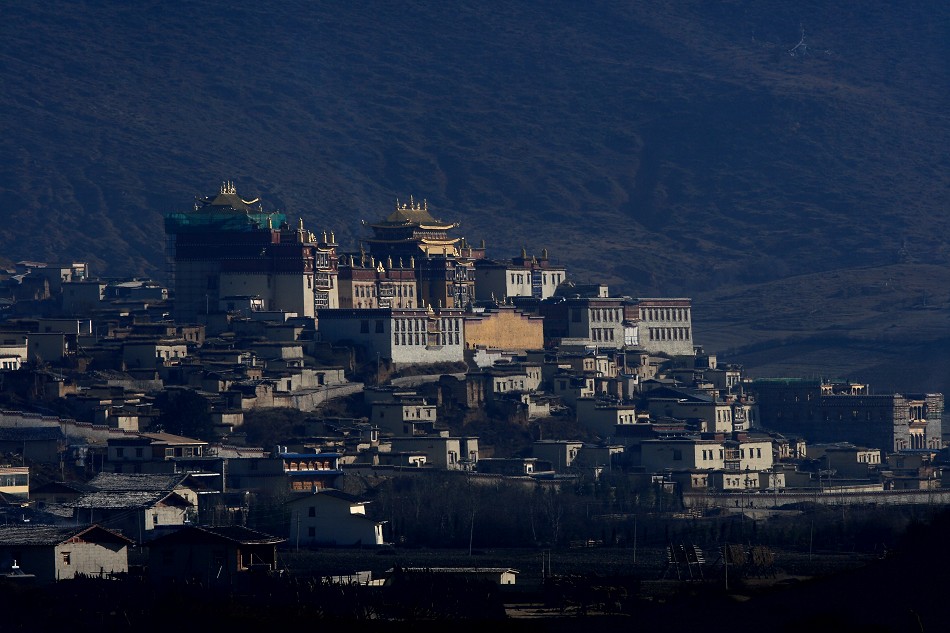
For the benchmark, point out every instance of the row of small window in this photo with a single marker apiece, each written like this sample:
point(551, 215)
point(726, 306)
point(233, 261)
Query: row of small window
point(917, 441)
point(669, 333)
point(601, 334)
point(410, 325)
point(664, 314)
point(606, 314)
point(451, 325)
point(399, 290)
point(754, 453)
point(414, 338)
point(401, 338)
point(524, 278)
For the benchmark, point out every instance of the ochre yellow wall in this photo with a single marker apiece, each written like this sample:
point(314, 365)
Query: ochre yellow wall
point(506, 329)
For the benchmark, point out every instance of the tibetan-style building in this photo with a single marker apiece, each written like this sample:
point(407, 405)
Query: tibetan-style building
point(411, 231)
point(230, 247)
point(367, 283)
point(444, 264)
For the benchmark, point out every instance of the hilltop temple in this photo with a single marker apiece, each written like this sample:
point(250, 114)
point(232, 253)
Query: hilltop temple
point(227, 247)
point(443, 263)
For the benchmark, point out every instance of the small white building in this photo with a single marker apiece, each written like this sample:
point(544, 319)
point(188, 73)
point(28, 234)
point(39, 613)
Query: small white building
point(402, 337)
point(152, 354)
point(450, 453)
point(719, 416)
point(519, 277)
point(603, 417)
point(666, 325)
point(332, 517)
point(52, 553)
point(402, 416)
point(560, 453)
point(733, 455)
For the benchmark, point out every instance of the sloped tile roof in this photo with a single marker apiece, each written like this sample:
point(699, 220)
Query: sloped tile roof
point(234, 534)
point(53, 535)
point(118, 500)
point(120, 482)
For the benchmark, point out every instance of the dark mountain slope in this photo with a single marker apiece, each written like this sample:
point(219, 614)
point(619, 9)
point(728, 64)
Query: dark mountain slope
point(666, 148)
point(674, 146)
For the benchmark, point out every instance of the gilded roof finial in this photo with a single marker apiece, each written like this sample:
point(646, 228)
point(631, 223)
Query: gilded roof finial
point(324, 236)
point(524, 253)
point(389, 262)
point(544, 253)
point(270, 222)
point(412, 262)
point(332, 238)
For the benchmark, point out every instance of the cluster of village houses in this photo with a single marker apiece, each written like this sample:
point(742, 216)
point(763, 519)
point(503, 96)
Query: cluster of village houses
point(260, 312)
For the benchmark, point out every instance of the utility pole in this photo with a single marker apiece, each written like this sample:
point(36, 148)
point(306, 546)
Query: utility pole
point(471, 533)
point(725, 563)
point(635, 539)
point(811, 538)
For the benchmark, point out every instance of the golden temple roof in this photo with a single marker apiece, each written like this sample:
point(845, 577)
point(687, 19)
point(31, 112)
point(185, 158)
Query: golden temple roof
point(414, 213)
point(228, 198)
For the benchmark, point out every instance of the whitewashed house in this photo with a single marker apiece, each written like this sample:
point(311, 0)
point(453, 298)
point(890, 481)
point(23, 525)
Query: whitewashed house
point(332, 517)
